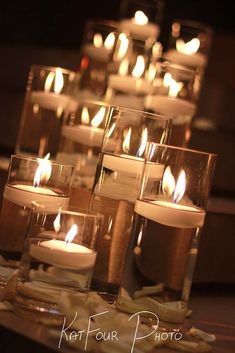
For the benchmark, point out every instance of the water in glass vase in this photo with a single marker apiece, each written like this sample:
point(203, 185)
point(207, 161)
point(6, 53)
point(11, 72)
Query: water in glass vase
point(41, 125)
point(15, 215)
point(162, 253)
point(113, 196)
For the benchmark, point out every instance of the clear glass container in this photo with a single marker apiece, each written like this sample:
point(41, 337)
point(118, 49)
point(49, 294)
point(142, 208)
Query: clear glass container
point(189, 43)
point(29, 179)
point(141, 19)
point(48, 100)
point(97, 49)
point(116, 186)
point(173, 95)
point(80, 142)
point(169, 214)
point(128, 81)
point(59, 255)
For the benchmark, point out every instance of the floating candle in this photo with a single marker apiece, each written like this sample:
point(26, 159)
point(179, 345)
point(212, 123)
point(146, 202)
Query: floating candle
point(62, 254)
point(84, 134)
point(171, 214)
point(24, 195)
point(170, 106)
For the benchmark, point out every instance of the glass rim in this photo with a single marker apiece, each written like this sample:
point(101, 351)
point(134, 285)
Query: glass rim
point(138, 111)
point(52, 68)
point(85, 214)
point(93, 102)
point(35, 159)
point(214, 155)
point(194, 24)
point(102, 22)
point(174, 65)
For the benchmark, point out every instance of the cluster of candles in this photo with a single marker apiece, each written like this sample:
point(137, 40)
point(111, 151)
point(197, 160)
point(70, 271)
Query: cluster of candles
point(134, 75)
point(81, 130)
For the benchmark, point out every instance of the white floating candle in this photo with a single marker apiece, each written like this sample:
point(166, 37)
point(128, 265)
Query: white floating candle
point(24, 195)
point(192, 60)
point(170, 106)
point(132, 166)
point(66, 255)
point(124, 164)
point(84, 134)
point(130, 84)
point(53, 101)
point(141, 31)
point(171, 214)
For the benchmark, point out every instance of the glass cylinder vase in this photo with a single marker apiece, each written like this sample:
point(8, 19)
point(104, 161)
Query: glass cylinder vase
point(169, 214)
point(29, 179)
point(116, 186)
point(59, 255)
point(80, 142)
point(141, 19)
point(189, 43)
point(173, 95)
point(48, 100)
point(97, 47)
point(128, 81)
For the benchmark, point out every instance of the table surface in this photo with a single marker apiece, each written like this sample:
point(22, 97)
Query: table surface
point(214, 314)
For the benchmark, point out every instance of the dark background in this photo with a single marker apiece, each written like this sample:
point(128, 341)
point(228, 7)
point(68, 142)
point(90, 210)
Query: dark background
point(50, 33)
point(60, 24)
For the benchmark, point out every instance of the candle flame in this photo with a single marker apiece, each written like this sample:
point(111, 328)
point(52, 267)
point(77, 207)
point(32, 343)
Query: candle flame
point(174, 86)
point(98, 40)
point(111, 130)
point(140, 236)
point(139, 67)
point(137, 249)
point(144, 140)
point(167, 79)
point(110, 225)
point(180, 187)
point(43, 171)
point(48, 82)
point(85, 118)
point(152, 71)
point(56, 222)
point(140, 18)
point(58, 79)
point(168, 182)
point(156, 50)
point(98, 118)
point(169, 186)
point(71, 234)
point(126, 141)
point(109, 41)
point(124, 43)
point(188, 48)
point(123, 68)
